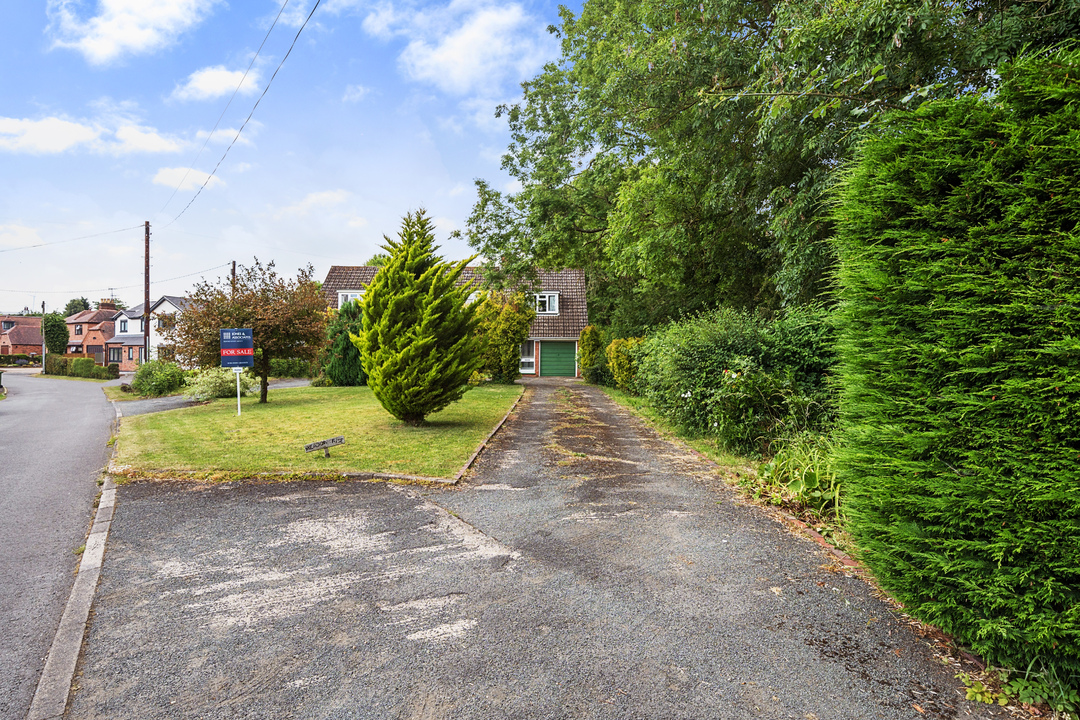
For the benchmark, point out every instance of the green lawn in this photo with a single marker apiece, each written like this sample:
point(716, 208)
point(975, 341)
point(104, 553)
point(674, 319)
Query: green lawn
point(211, 440)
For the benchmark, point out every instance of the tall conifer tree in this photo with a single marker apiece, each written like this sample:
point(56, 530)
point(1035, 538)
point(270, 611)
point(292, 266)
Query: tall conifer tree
point(418, 343)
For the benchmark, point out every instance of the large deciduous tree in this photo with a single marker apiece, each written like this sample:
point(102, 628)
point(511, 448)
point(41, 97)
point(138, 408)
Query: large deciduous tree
point(417, 342)
point(681, 152)
point(287, 318)
point(505, 319)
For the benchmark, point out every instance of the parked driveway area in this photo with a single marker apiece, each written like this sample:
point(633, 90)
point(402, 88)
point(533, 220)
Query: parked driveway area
point(586, 568)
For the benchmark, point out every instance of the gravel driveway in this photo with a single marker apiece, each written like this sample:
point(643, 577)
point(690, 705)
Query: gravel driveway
point(585, 569)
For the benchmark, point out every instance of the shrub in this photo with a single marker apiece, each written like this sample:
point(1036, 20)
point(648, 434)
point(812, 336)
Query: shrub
point(14, 359)
point(623, 364)
point(343, 366)
point(218, 382)
point(504, 322)
point(803, 466)
point(157, 377)
point(290, 368)
point(960, 407)
point(591, 356)
point(55, 331)
point(114, 370)
point(56, 365)
point(739, 378)
point(82, 367)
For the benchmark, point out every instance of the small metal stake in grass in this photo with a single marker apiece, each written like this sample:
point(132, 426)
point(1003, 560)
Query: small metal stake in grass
point(325, 445)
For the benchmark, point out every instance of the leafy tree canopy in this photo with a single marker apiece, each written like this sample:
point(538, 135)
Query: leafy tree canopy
point(680, 152)
point(378, 259)
point(287, 318)
point(76, 305)
point(417, 342)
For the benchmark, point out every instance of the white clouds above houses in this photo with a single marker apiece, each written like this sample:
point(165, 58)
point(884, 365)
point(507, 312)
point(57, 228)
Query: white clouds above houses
point(210, 83)
point(123, 27)
point(312, 201)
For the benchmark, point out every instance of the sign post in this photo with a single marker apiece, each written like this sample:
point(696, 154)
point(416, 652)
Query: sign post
point(237, 352)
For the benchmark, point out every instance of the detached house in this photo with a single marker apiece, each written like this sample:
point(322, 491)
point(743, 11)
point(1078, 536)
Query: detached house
point(126, 347)
point(561, 314)
point(90, 329)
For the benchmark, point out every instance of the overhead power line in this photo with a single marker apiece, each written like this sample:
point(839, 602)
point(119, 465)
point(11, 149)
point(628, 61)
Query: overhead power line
point(122, 287)
point(227, 105)
point(246, 121)
point(81, 237)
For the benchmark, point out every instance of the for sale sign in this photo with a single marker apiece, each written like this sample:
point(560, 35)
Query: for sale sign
point(237, 348)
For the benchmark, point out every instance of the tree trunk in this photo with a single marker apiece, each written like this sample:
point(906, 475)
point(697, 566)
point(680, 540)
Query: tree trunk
point(264, 386)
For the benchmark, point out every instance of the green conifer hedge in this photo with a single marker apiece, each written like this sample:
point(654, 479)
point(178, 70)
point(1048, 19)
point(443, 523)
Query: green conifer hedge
point(960, 364)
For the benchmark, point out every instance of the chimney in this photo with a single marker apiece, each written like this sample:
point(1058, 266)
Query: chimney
point(108, 304)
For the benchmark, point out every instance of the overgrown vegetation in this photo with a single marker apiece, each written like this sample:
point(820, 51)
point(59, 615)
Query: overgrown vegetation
point(742, 380)
point(960, 342)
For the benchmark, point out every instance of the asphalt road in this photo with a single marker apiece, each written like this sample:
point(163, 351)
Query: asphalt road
point(586, 569)
point(53, 446)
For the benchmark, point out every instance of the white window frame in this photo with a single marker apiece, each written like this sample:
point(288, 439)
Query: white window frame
point(547, 303)
point(345, 296)
point(528, 357)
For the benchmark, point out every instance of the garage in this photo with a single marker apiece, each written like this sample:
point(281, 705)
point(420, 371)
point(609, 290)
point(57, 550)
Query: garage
point(557, 359)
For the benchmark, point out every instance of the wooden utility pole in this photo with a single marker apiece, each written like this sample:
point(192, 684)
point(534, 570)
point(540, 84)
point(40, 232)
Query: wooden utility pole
point(146, 299)
point(234, 279)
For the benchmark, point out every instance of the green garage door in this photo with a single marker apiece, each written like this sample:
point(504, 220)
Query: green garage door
point(557, 358)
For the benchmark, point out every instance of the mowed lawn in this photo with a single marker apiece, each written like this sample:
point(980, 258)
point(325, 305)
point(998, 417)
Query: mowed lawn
point(270, 438)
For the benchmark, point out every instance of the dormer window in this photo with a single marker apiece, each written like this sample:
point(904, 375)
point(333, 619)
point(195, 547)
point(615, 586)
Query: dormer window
point(349, 295)
point(547, 304)
point(123, 326)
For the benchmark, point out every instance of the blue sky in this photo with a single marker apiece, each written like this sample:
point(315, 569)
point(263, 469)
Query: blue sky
point(382, 107)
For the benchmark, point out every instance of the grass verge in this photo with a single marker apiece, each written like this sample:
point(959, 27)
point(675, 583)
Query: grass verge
point(68, 377)
point(210, 440)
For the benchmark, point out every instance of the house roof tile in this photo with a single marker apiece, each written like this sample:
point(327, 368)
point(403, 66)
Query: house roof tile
point(570, 284)
point(24, 335)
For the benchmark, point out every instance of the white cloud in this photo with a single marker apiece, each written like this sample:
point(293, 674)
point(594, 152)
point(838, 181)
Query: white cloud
point(355, 93)
point(357, 222)
point(134, 138)
point(185, 178)
point(108, 135)
point(456, 190)
point(241, 167)
point(18, 235)
point(466, 47)
point(48, 135)
point(214, 82)
point(224, 136)
point(123, 27)
point(325, 198)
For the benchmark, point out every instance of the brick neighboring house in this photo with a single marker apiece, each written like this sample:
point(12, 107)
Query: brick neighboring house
point(126, 346)
point(90, 329)
point(20, 335)
point(561, 314)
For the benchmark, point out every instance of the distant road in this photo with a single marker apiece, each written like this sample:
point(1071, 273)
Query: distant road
point(53, 436)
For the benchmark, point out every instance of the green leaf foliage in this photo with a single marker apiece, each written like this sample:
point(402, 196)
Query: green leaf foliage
point(75, 306)
point(504, 322)
point(154, 377)
point(343, 365)
point(960, 349)
point(55, 332)
point(681, 152)
point(592, 358)
point(739, 378)
point(418, 342)
point(622, 360)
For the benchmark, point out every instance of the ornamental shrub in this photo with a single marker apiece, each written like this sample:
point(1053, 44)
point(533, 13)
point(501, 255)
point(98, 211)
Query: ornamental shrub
point(504, 322)
point(343, 366)
point(56, 365)
point(82, 367)
point(218, 382)
point(623, 364)
point(157, 377)
point(418, 341)
point(592, 358)
point(959, 325)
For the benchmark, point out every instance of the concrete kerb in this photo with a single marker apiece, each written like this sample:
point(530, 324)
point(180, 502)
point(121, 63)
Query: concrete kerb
point(54, 686)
